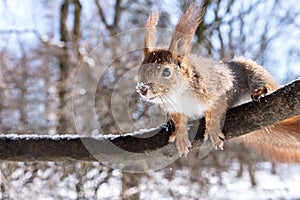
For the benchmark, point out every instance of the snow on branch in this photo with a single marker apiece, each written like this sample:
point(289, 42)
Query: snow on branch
point(283, 103)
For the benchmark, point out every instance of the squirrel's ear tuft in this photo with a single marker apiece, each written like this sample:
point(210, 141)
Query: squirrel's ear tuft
point(181, 42)
point(150, 32)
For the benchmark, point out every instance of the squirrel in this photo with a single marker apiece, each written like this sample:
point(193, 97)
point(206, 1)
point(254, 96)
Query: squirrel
point(189, 86)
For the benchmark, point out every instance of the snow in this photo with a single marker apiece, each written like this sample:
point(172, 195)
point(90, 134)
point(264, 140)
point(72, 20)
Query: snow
point(13, 136)
point(283, 185)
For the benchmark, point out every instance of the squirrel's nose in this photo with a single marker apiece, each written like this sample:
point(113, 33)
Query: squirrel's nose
point(143, 90)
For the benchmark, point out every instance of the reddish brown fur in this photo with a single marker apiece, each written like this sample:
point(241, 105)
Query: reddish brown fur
point(180, 134)
point(181, 42)
point(177, 119)
point(280, 142)
point(150, 32)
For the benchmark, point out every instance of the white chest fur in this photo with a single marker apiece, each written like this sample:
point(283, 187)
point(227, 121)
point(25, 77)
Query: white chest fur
point(184, 101)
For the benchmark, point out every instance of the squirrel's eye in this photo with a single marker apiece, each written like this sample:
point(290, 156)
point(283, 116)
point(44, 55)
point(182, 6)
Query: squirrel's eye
point(166, 72)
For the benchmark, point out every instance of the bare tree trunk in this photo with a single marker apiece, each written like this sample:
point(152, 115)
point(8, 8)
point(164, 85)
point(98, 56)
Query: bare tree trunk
point(130, 186)
point(69, 56)
point(76, 27)
point(63, 61)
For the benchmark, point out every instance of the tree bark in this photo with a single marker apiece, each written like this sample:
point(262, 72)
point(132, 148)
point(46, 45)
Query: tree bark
point(282, 104)
point(64, 61)
point(76, 27)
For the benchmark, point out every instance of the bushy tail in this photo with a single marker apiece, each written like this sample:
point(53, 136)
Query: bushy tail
point(280, 142)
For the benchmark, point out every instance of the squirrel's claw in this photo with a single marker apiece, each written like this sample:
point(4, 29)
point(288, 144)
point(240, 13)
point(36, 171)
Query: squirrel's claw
point(183, 144)
point(258, 93)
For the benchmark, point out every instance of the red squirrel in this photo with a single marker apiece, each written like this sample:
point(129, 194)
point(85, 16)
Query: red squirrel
point(189, 86)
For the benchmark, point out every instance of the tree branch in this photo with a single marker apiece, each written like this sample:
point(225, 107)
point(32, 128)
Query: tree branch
point(280, 105)
point(102, 17)
point(117, 13)
point(112, 28)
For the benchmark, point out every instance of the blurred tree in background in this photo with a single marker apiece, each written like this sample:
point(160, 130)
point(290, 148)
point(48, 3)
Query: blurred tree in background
point(42, 46)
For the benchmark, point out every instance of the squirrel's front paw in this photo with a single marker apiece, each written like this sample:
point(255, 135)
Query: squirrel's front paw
point(182, 142)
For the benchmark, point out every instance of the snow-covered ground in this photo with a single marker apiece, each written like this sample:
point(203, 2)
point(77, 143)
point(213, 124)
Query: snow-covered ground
point(282, 185)
point(51, 183)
